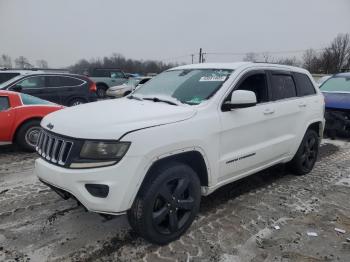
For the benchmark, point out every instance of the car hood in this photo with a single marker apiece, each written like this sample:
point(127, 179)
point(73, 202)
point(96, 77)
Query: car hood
point(337, 100)
point(111, 119)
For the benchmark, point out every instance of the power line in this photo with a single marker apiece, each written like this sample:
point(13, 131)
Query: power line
point(201, 54)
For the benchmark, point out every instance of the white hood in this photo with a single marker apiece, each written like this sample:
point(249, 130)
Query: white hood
point(113, 118)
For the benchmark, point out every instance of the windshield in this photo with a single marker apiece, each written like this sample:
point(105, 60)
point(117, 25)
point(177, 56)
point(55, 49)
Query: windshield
point(189, 86)
point(132, 82)
point(336, 84)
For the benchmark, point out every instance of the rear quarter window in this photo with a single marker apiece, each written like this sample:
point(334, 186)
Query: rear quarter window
point(304, 85)
point(32, 100)
point(4, 103)
point(70, 81)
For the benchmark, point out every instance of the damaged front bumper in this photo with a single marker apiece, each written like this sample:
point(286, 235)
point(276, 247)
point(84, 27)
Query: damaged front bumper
point(337, 122)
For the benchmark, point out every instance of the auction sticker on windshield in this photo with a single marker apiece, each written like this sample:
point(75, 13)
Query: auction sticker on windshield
point(212, 79)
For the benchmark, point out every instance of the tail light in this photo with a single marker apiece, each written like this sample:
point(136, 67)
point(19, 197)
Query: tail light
point(92, 87)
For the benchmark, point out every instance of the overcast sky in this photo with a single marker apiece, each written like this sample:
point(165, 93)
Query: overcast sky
point(64, 31)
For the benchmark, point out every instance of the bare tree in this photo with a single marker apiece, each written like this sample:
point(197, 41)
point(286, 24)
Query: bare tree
point(292, 61)
point(266, 57)
point(5, 61)
point(250, 57)
point(311, 61)
point(42, 63)
point(22, 62)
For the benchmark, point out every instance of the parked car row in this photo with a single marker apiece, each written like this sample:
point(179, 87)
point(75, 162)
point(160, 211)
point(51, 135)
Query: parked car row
point(336, 91)
point(20, 116)
point(189, 131)
point(61, 88)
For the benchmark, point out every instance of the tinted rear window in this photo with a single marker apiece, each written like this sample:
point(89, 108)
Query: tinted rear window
point(32, 100)
point(4, 103)
point(282, 86)
point(304, 85)
point(7, 76)
point(53, 81)
point(70, 81)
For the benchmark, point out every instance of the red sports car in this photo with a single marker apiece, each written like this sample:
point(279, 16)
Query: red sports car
point(20, 116)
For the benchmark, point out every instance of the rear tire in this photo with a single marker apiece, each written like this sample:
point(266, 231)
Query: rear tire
point(28, 134)
point(306, 156)
point(101, 91)
point(166, 204)
point(76, 102)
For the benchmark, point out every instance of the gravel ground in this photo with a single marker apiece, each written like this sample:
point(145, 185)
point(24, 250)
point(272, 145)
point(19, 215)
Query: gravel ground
point(236, 223)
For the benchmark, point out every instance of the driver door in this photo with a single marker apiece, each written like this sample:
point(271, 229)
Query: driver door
point(246, 139)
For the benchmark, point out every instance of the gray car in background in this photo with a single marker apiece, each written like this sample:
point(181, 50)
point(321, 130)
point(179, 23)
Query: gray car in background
point(105, 78)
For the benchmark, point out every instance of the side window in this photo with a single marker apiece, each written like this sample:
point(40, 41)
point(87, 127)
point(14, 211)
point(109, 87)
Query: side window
point(70, 81)
point(32, 82)
point(4, 103)
point(53, 81)
point(117, 74)
point(256, 83)
point(304, 85)
point(282, 86)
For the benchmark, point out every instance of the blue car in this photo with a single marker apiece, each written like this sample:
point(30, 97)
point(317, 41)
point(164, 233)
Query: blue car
point(336, 91)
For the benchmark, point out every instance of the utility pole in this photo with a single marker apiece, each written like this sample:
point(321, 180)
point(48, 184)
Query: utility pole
point(200, 55)
point(192, 57)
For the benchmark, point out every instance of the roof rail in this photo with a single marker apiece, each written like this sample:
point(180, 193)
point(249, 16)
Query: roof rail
point(35, 69)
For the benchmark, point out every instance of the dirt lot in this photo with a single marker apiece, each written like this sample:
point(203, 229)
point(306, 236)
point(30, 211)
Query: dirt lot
point(236, 223)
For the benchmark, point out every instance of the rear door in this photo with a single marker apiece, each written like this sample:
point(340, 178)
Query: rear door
point(53, 91)
point(72, 87)
point(287, 110)
point(7, 118)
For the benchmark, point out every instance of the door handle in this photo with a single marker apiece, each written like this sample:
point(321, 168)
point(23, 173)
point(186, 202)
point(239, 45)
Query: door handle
point(269, 111)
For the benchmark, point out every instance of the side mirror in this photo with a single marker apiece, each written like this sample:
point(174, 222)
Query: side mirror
point(16, 88)
point(240, 99)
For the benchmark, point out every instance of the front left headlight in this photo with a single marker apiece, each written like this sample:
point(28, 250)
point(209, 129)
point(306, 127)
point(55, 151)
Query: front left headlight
point(100, 153)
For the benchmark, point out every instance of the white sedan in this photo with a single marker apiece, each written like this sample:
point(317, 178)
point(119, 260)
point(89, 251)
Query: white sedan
point(127, 87)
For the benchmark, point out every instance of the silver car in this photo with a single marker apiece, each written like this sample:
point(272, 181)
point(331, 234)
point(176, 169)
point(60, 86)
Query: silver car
point(127, 87)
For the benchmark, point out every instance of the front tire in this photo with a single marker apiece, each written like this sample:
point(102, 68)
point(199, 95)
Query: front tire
point(167, 204)
point(28, 134)
point(306, 156)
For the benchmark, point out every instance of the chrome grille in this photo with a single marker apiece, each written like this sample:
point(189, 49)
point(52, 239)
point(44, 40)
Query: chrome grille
point(53, 148)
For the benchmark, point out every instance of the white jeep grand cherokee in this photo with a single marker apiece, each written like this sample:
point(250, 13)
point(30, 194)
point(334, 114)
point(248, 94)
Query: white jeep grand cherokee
point(183, 134)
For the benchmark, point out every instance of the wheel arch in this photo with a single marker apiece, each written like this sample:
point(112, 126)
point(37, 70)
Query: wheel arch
point(102, 84)
point(317, 126)
point(14, 136)
point(193, 158)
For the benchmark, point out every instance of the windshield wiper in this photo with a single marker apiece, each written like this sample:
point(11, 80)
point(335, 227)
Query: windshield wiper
point(135, 97)
point(157, 99)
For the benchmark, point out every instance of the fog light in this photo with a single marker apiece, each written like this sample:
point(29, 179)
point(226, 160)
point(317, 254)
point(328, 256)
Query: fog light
point(97, 190)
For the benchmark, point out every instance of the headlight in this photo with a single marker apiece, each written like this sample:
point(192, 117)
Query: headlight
point(100, 153)
point(104, 150)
